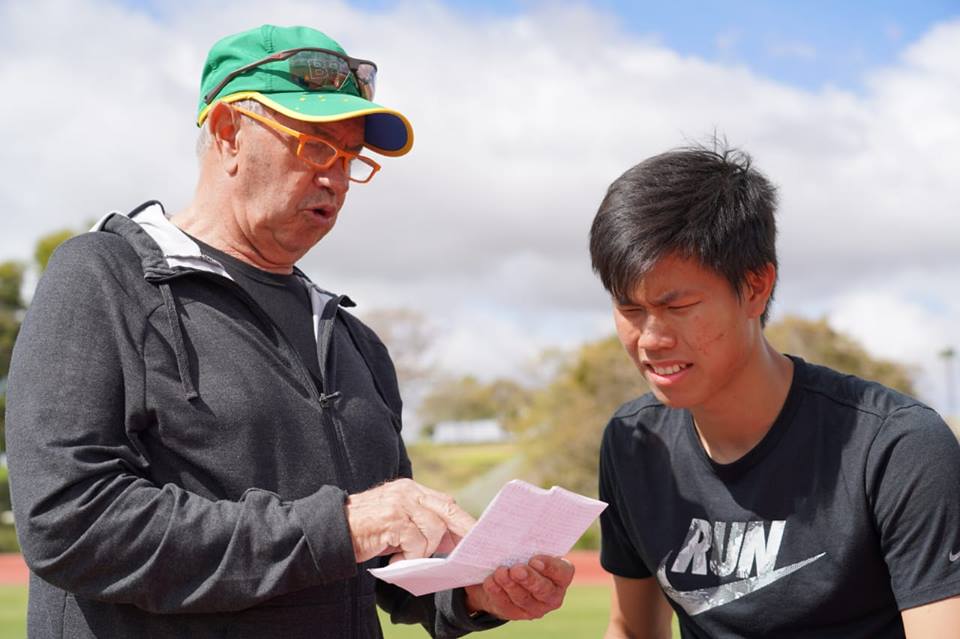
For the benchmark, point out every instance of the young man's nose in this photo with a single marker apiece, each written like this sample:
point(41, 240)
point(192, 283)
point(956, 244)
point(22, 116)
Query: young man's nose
point(655, 335)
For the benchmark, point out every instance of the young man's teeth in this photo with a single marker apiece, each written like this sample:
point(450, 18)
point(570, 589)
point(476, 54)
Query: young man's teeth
point(676, 368)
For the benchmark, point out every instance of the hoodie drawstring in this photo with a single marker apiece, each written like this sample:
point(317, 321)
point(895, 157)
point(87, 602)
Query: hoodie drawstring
point(179, 348)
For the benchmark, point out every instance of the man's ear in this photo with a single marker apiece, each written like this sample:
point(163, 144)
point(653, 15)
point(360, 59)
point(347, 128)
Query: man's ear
point(757, 289)
point(224, 128)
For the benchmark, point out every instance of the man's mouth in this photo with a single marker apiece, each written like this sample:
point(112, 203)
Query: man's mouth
point(667, 370)
point(325, 212)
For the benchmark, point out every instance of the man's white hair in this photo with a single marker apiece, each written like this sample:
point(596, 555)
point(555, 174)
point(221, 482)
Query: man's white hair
point(205, 137)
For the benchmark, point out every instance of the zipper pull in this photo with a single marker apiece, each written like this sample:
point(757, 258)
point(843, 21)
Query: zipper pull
point(326, 399)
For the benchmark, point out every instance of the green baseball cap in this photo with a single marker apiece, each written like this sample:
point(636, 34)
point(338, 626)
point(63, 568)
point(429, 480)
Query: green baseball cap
point(304, 74)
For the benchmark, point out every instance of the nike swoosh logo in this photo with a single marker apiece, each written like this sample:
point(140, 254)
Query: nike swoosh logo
point(954, 557)
point(704, 599)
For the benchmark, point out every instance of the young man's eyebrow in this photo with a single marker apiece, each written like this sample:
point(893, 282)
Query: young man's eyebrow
point(663, 300)
point(667, 297)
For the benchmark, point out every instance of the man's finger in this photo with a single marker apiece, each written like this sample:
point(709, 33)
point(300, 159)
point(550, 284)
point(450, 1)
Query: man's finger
point(432, 530)
point(457, 520)
point(404, 537)
point(499, 603)
point(448, 543)
point(556, 569)
point(539, 587)
point(518, 594)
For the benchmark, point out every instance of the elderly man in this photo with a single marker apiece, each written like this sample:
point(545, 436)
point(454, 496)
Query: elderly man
point(202, 441)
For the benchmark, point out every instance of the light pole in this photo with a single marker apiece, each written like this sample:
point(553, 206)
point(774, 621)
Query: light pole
point(948, 354)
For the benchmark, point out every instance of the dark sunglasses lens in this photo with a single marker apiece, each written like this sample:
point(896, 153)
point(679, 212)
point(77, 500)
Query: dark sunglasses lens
point(318, 70)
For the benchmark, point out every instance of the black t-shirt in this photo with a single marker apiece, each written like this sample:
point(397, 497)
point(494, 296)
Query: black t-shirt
point(845, 513)
point(284, 298)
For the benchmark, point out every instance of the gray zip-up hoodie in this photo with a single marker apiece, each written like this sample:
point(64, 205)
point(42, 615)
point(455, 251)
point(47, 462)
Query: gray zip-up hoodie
point(174, 470)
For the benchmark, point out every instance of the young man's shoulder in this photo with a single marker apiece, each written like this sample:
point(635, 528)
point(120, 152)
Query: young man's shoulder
point(845, 393)
point(644, 409)
point(642, 416)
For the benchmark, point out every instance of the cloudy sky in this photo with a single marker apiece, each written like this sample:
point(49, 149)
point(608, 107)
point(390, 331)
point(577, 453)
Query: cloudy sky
point(524, 112)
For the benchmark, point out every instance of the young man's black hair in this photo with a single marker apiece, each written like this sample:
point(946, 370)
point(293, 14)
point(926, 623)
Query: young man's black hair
point(752, 493)
point(706, 204)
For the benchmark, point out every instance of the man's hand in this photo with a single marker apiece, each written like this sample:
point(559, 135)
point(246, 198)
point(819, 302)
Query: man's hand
point(523, 591)
point(402, 517)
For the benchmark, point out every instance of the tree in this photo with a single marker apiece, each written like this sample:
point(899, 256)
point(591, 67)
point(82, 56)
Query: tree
point(817, 342)
point(408, 336)
point(47, 244)
point(561, 425)
point(467, 398)
point(11, 308)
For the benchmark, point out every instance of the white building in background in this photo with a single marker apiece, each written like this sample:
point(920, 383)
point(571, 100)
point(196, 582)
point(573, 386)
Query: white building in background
point(477, 431)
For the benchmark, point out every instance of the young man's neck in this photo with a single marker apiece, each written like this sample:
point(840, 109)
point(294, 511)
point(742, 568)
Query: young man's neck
point(736, 422)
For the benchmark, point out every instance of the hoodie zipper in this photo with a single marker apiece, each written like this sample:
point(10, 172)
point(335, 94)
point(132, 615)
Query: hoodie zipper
point(324, 400)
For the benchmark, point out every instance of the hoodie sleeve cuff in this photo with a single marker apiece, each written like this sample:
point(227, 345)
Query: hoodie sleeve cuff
point(327, 533)
point(452, 612)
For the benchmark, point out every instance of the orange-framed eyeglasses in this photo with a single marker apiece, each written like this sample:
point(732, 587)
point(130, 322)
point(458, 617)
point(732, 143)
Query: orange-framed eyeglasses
point(319, 153)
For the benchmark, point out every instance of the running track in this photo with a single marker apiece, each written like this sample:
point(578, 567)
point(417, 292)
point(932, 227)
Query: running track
point(13, 572)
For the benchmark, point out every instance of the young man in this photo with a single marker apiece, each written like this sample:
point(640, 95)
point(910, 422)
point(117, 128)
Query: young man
point(754, 493)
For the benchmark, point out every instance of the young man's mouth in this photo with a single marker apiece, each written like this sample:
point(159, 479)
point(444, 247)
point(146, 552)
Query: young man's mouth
point(667, 372)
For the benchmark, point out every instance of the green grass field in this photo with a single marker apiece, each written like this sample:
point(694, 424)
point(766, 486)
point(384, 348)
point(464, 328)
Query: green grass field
point(583, 615)
point(13, 612)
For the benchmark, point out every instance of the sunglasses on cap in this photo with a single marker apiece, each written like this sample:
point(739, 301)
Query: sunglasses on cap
point(314, 68)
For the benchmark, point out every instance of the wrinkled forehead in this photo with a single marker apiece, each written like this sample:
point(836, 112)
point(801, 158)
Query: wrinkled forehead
point(347, 134)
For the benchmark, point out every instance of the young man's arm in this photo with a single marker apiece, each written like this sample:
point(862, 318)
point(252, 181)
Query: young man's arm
point(937, 619)
point(638, 610)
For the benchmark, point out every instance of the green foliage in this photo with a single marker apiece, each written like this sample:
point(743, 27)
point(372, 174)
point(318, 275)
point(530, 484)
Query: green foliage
point(11, 281)
point(8, 535)
point(561, 424)
point(590, 539)
point(4, 489)
point(9, 329)
point(3, 427)
point(450, 468)
point(11, 306)
point(467, 398)
point(8, 539)
point(47, 244)
point(818, 343)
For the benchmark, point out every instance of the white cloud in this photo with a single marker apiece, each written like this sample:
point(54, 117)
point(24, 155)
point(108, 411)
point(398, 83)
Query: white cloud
point(909, 321)
point(521, 123)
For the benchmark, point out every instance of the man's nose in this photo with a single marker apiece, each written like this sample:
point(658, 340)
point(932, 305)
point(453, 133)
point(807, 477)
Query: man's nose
point(655, 335)
point(336, 178)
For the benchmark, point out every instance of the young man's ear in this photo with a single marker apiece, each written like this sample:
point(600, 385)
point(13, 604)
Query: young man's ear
point(757, 289)
point(224, 126)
